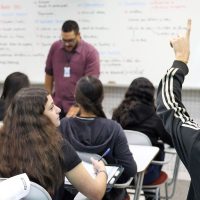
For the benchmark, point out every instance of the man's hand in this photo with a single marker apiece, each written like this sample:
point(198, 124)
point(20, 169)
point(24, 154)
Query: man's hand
point(181, 45)
point(73, 111)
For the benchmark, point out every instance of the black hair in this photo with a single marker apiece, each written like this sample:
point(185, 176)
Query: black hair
point(89, 94)
point(69, 26)
point(12, 84)
point(140, 91)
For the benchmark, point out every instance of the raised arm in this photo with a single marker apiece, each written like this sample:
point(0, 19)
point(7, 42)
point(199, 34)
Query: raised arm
point(184, 131)
point(181, 45)
point(169, 101)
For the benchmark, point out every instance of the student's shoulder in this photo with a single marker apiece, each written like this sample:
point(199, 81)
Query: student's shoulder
point(68, 119)
point(65, 121)
point(109, 123)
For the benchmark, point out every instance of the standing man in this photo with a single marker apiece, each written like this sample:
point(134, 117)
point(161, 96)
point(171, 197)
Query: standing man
point(68, 60)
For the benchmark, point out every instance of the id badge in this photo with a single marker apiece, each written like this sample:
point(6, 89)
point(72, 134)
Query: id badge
point(66, 72)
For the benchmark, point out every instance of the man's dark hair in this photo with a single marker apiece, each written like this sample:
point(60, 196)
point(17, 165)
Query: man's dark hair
point(69, 26)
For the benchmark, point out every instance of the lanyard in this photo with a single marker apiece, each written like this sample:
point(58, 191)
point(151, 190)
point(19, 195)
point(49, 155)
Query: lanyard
point(69, 57)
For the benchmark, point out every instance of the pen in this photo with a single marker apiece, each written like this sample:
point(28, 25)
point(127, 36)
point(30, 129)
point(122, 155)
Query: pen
point(105, 154)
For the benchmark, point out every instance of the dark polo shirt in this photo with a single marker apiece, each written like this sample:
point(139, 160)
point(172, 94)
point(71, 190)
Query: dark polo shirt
point(84, 60)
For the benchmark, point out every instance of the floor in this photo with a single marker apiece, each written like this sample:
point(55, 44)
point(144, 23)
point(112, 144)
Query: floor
point(180, 192)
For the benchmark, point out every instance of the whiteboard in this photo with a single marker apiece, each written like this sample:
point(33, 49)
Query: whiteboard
point(132, 36)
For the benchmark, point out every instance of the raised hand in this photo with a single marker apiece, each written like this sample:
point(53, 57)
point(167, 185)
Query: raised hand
point(181, 45)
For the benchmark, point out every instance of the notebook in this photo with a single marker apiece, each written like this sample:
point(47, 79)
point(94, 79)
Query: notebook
point(113, 172)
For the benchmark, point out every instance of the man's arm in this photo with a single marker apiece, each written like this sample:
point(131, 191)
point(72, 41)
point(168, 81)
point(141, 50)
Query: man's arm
point(49, 79)
point(73, 111)
point(48, 84)
point(93, 64)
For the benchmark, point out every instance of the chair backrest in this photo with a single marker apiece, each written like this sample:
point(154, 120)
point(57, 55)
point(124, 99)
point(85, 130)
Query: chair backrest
point(137, 138)
point(15, 187)
point(36, 192)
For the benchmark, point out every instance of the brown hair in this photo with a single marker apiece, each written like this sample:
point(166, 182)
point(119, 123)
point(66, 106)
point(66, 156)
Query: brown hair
point(29, 142)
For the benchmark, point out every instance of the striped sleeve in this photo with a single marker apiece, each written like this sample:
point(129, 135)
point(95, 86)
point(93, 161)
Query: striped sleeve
point(176, 120)
point(173, 101)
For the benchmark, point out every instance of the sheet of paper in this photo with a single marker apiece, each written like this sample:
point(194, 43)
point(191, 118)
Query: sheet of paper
point(111, 170)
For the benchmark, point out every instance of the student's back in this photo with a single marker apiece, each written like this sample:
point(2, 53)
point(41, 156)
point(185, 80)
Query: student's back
point(95, 135)
point(137, 112)
point(91, 132)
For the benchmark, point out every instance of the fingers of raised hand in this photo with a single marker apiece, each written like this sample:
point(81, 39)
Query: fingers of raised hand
point(187, 35)
point(189, 23)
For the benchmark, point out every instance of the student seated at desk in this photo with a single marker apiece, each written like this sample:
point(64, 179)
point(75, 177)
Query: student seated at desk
point(137, 112)
point(31, 144)
point(91, 132)
point(13, 83)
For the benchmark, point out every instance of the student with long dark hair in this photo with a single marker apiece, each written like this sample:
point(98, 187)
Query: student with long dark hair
point(12, 84)
point(137, 112)
point(30, 143)
point(90, 131)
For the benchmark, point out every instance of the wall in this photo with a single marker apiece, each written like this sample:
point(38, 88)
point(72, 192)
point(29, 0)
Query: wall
point(132, 36)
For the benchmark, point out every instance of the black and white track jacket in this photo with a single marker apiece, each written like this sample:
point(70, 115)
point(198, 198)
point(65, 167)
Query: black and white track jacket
point(184, 131)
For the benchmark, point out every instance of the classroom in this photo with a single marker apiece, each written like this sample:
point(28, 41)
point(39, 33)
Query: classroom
point(131, 36)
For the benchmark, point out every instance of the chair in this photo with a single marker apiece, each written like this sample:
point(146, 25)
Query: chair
point(139, 138)
point(36, 192)
point(172, 183)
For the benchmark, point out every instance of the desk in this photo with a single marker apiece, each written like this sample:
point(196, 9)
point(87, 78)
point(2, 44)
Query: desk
point(143, 156)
